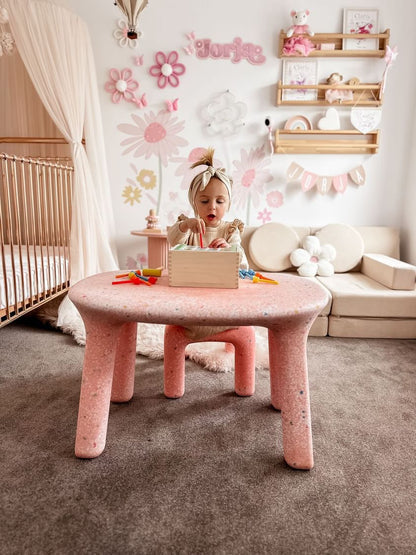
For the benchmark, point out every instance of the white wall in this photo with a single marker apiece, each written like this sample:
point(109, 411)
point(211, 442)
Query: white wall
point(381, 201)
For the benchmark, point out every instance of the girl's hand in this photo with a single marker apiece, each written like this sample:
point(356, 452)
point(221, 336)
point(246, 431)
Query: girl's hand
point(195, 225)
point(218, 243)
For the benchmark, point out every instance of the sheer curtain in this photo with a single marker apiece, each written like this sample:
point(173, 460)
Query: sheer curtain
point(55, 47)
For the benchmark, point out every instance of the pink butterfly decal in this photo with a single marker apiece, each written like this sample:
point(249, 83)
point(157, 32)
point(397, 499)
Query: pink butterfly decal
point(189, 49)
point(140, 102)
point(172, 105)
point(138, 60)
point(190, 36)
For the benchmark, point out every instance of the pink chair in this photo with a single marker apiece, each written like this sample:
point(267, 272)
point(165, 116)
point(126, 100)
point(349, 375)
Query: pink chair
point(242, 339)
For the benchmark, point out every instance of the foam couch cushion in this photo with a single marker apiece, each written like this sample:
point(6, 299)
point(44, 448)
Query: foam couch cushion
point(270, 246)
point(347, 242)
point(390, 272)
point(355, 294)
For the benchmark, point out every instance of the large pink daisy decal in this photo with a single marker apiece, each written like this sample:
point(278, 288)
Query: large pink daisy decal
point(250, 176)
point(167, 69)
point(184, 169)
point(153, 134)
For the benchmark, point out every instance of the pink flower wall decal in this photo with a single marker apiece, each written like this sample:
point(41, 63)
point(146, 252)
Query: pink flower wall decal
point(184, 169)
point(121, 85)
point(274, 199)
point(167, 69)
point(154, 135)
point(250, 176)
point(265, 216)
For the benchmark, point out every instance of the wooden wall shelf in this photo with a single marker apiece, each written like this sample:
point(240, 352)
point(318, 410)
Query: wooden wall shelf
point(315, 141)
point(337, 40)
point(364, 94)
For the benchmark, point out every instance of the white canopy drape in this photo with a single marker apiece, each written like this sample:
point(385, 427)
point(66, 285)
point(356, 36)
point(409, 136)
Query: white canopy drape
point(55, 47)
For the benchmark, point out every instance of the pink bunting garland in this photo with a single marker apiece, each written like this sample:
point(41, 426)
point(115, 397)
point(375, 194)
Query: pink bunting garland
point(323, 183)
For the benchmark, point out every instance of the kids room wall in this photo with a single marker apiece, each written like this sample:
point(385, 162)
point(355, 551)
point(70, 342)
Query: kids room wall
point(182, 92)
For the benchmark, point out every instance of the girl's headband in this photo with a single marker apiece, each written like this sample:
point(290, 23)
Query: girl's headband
point(201, 180)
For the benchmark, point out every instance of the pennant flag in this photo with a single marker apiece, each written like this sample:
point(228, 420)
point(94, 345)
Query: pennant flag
point(308, 180)
point(323, 184)
point(357, 175)
point(340, 182)
point(294, 172)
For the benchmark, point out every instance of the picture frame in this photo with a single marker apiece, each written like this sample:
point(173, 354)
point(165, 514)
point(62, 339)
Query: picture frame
point(300, 72)
point(360, 21)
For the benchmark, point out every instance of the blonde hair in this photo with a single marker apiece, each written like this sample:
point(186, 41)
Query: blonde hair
point(201, 180)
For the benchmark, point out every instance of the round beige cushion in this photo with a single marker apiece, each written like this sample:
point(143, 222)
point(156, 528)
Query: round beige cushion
point(347, 242)
point(270, 246)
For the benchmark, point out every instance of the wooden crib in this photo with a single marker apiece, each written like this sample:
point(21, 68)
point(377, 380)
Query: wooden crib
point(35, 218)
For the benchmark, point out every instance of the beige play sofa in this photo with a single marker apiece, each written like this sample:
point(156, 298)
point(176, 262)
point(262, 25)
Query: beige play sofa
point(372, 293)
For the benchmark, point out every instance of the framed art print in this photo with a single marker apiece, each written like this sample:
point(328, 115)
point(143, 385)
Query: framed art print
point(362, 21)
point(300, 72)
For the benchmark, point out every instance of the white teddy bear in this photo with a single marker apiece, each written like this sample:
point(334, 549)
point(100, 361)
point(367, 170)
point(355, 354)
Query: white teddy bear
point(313, 259)
point(299, 26)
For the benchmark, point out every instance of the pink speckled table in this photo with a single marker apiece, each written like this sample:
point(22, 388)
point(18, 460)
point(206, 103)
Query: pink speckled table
point(110, 313)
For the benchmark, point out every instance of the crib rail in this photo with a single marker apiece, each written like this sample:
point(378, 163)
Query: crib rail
point(35, 218)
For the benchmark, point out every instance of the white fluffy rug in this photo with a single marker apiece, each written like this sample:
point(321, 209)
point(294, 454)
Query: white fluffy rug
point(211, 356)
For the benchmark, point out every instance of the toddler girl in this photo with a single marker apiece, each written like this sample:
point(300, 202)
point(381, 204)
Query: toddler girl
point(210, 196)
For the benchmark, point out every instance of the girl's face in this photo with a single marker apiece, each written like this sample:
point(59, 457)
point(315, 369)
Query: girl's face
point(213, 202)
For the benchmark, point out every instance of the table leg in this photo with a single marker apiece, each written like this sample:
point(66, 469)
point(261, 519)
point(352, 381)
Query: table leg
point(125, 364)
point(97, 376)
point(157, 252)
point(290, 393)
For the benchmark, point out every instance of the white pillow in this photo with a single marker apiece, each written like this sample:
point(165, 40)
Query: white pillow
point(270, 246)
point(348, 243)
point(313, 258)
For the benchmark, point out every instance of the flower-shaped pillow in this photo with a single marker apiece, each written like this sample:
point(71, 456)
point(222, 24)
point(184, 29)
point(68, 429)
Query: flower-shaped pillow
point(313, 258)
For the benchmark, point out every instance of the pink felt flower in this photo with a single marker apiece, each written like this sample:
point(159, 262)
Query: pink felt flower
point(153, 134)
point(167, 69)
point(121, 85)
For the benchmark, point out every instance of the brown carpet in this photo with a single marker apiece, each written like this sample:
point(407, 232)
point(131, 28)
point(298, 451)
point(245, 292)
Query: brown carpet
point(205, 474)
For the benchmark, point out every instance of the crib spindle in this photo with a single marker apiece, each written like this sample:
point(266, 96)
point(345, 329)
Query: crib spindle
point(35, 218)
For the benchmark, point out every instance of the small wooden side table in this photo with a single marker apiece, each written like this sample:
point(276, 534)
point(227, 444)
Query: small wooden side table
point(157, 247)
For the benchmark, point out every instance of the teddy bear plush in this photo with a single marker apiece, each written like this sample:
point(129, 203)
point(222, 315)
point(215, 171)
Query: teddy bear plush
point(299, 25)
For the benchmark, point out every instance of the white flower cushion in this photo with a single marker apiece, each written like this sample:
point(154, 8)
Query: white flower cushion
point(313, 258)
point(347, 242)
point(270, 246)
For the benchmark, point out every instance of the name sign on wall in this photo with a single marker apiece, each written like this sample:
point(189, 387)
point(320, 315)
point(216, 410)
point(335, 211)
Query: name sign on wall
point(234, 51)
point(323, 183)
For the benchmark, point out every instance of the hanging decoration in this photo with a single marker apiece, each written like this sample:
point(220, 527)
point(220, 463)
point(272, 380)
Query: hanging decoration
point(122, 86)
point(389, 57)
point(224, 115)
point(234, 51)
point(6, 38)
point(365, 119)
point(167, 69)
point(323, 183)
point(121, 35)
point(131, 9)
